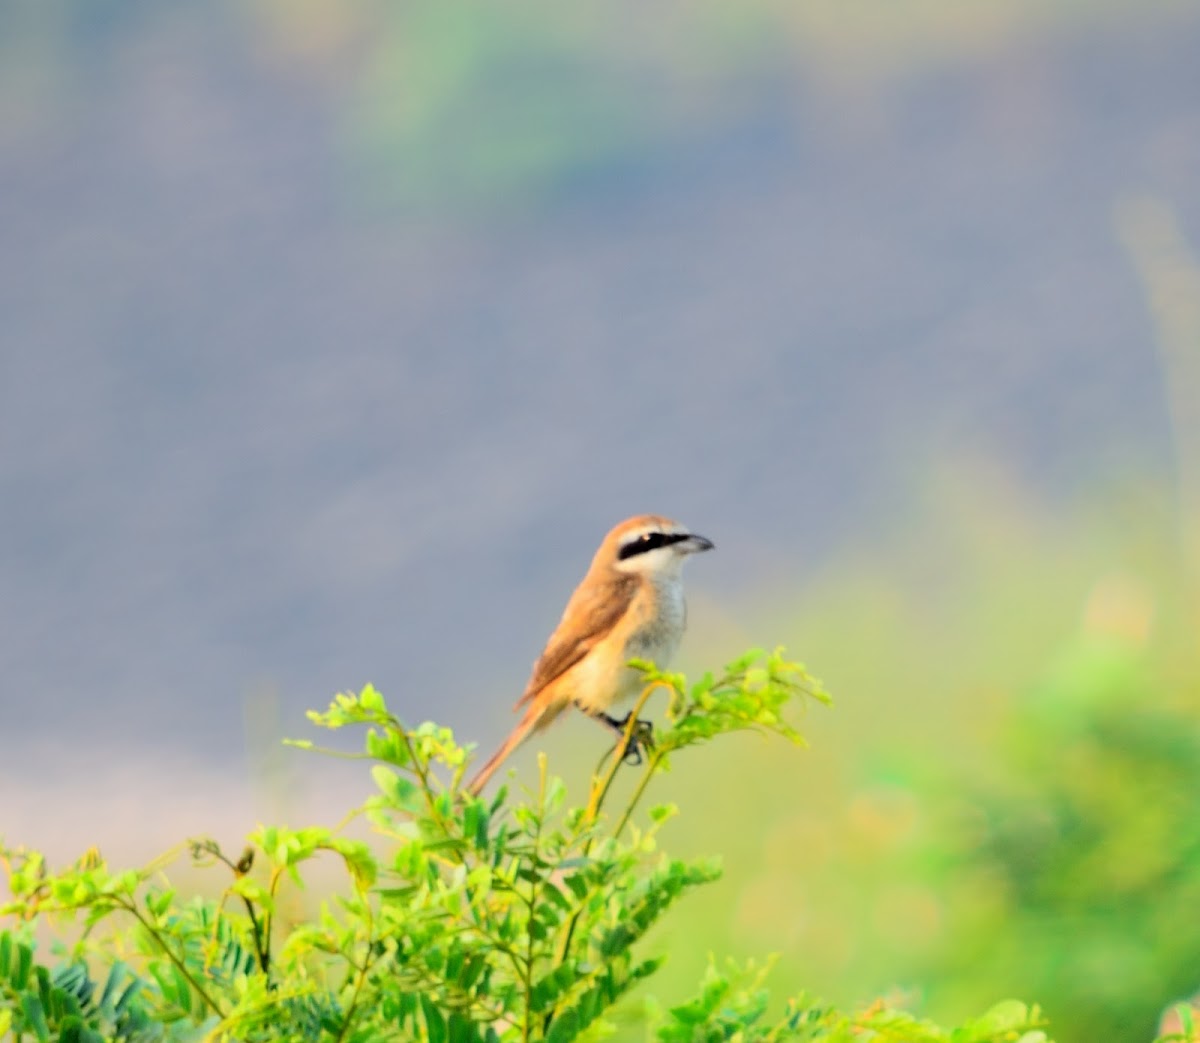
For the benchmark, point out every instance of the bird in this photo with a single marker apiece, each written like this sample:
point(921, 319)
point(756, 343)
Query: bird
point(629, 605)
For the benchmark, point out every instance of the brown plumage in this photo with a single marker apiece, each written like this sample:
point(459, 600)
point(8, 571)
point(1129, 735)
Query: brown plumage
point(629, 605)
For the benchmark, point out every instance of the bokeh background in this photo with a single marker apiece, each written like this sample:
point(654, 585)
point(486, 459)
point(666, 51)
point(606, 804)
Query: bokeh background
point(334, 336)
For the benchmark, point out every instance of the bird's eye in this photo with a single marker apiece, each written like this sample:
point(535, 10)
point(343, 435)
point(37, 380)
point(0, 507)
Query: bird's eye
point(647, 541)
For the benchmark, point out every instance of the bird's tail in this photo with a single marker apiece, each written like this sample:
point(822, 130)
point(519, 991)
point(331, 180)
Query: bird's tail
point(531, 720)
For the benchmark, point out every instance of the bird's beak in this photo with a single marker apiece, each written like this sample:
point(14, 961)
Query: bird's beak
point(694, 544)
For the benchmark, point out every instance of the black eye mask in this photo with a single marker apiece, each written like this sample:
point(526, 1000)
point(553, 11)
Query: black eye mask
point(650, 541)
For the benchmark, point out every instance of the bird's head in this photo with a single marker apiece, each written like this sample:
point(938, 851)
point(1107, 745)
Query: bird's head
point(651, 545)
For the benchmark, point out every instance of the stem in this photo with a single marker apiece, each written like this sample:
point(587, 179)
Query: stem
point(527, 977)
point(261, 950)
point(601, 786)
point(269, 918)
point(179, 964)
point(262, 944)
point(329, 751)
point(422, 773)
point(418, 768)
point(458, 855)
point(600, 791)
point(656, 759)
point(365, 969)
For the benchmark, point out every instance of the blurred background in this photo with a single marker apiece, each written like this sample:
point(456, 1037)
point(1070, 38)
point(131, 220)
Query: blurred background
point(334, 337)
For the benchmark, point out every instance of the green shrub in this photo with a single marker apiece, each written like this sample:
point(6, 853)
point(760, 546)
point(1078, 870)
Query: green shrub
point(464, 920)
point(1067, 855)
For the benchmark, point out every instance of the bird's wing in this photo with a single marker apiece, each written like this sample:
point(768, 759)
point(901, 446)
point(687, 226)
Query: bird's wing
point(592, 612)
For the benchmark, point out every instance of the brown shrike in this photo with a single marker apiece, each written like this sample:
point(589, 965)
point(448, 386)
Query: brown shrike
point(629, 606)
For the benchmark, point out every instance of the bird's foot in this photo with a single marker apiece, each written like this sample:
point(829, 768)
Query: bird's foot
point(642, 736)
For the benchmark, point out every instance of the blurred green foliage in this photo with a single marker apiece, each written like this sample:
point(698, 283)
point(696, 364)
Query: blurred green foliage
point(1065, 856)
point(1003, 803)
point(1005, 799)
point(474, 106)
point(470, 105)
point(466, 921)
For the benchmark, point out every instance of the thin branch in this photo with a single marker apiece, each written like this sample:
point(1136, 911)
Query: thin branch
point(601, 786)
point(656, 759)
point(367, 964)
point(600, 789)
point(261, 951)
point(179, 964)
point(534, 891)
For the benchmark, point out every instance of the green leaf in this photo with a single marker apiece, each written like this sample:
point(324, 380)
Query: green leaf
point(74, 1029)
point(1186, 1015)
point(1003, 1017)
point(370, 699)
point(435, 1022)
point(20, 977)
point(743, 662)
point(578, 884)
point(35, 1015)
point(564, 1028)
point(462, 1029)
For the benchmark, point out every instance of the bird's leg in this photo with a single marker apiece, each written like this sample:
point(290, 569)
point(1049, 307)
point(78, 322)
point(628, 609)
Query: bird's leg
point(643, 735)
point(643, 732)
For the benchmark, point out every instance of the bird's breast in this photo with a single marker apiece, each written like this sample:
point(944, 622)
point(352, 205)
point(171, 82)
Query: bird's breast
point(652, 630)
point(659, 626)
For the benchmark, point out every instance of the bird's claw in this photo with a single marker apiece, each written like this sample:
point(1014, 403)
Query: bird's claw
point(642, 737)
